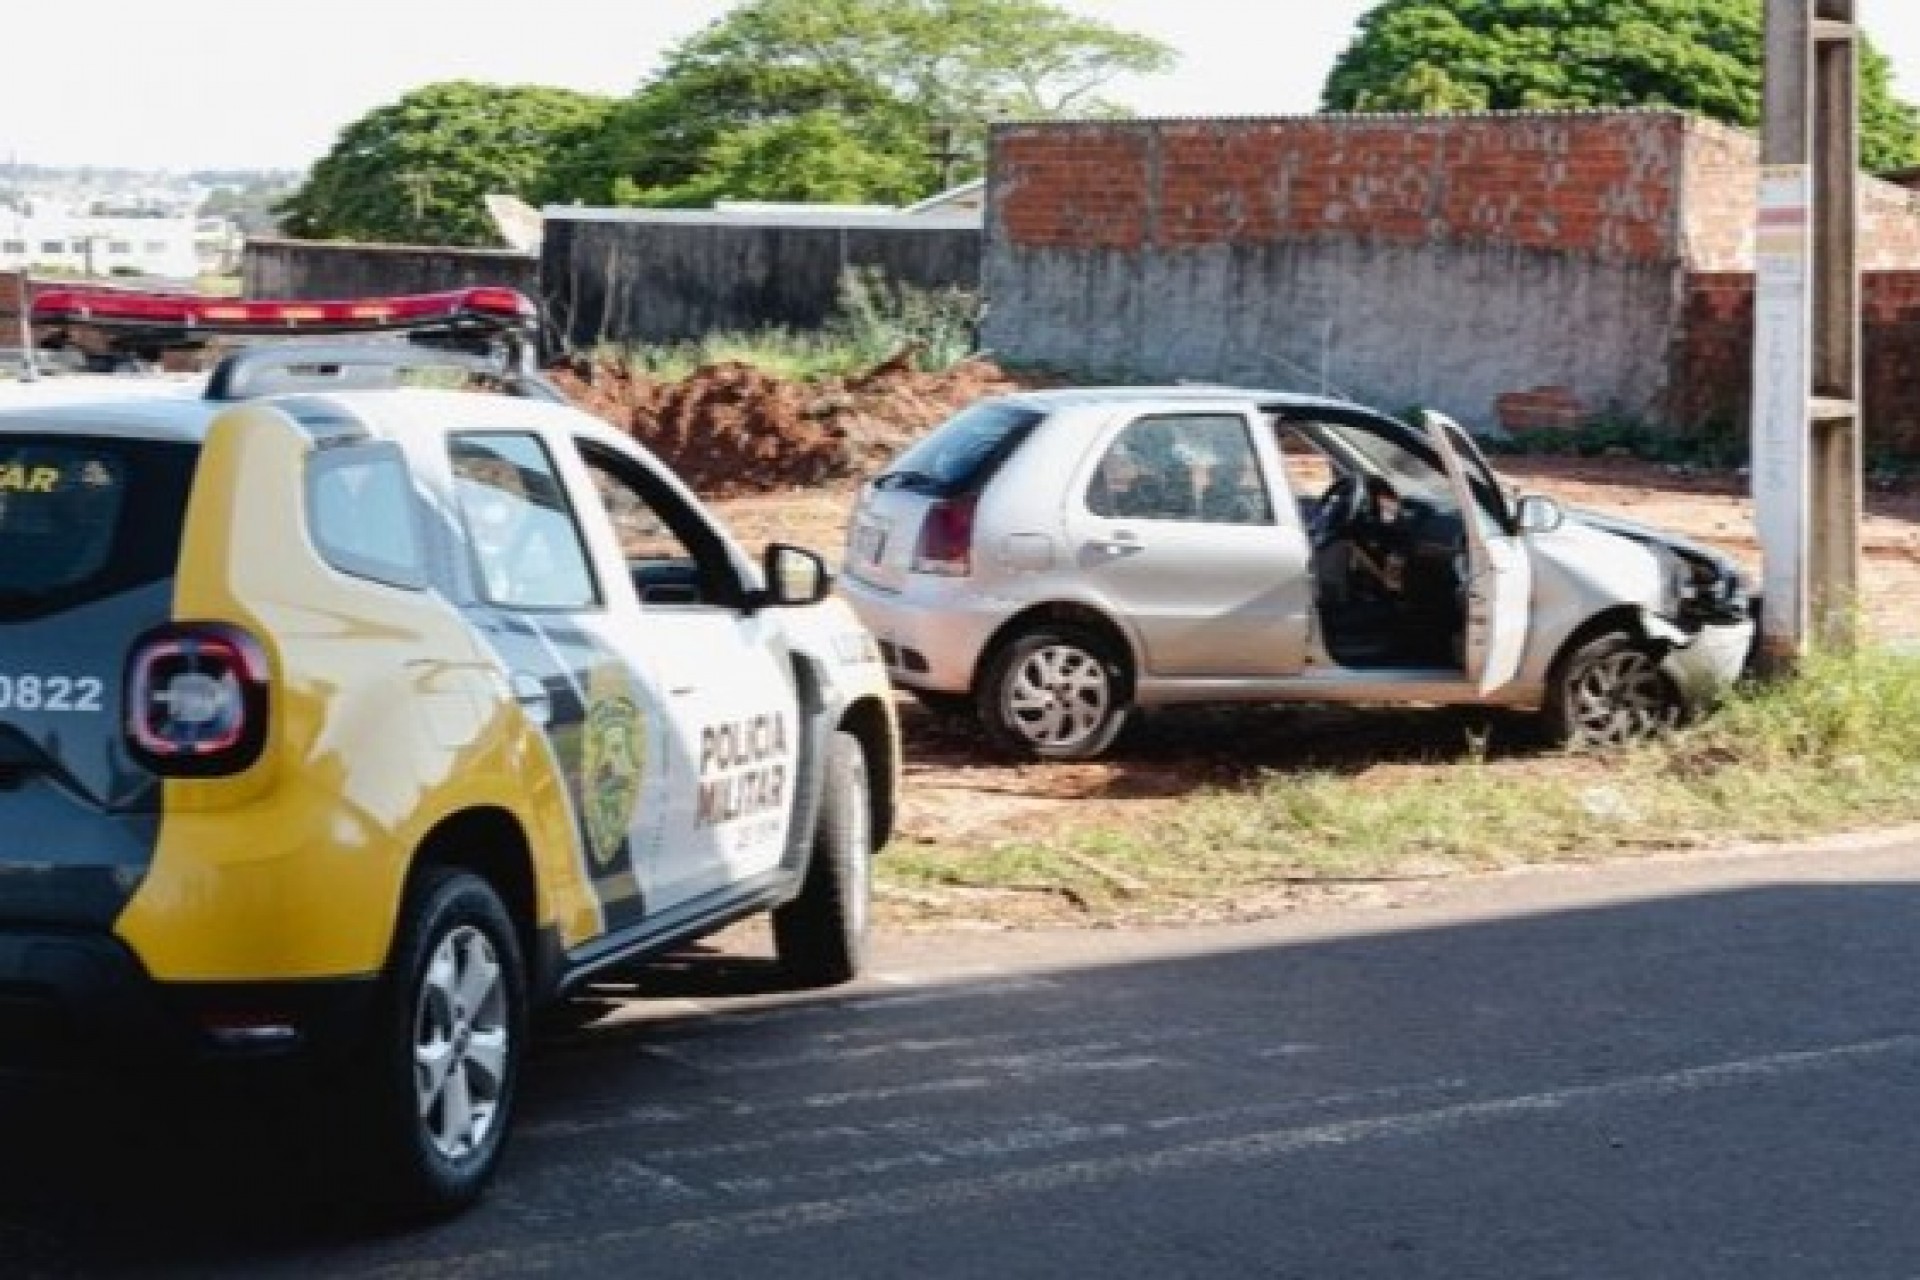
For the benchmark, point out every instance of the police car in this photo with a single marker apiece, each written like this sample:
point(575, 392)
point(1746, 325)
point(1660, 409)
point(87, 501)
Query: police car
point(354, 719)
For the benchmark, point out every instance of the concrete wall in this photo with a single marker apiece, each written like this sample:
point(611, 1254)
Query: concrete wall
point(625, 277)
point(1447, 261)
point(315, 269)
point(1453, 327)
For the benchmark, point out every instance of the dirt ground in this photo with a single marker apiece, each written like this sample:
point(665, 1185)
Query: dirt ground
point(781, 461)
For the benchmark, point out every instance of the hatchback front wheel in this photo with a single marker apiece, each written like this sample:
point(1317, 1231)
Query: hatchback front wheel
point(1611, 692)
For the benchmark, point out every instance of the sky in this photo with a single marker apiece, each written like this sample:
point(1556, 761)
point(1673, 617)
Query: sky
point(270, 84)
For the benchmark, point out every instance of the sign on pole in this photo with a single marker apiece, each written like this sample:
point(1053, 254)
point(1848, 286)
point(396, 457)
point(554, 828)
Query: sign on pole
point(1782, 387)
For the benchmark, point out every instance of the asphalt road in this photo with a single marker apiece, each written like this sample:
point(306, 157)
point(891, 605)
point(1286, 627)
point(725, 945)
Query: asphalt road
point(1689, 1069)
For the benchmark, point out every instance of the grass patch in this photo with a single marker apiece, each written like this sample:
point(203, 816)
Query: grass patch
point(1836, 748)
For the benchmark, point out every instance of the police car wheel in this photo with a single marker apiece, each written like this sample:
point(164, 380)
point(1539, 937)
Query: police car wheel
point(441, 1076)
point(821, 936)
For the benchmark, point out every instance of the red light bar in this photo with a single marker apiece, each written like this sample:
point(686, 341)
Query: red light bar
point(222, 315)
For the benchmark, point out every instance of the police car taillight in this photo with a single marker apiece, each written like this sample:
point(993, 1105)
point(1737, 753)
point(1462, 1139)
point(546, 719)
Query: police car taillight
point(197, 700)
point(109, 307)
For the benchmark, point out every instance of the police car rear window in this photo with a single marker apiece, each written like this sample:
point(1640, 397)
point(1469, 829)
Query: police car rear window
point(84, 518)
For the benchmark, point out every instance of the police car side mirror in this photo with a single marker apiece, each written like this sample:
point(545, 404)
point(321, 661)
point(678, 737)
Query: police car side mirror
point(794, 575)
point(1539, 514)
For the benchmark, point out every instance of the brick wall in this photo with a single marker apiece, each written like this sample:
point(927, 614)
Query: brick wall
point(1722, 181)
point(1606, 184)
point(1716, 357)
point(1440, 260)
point(1522, 269)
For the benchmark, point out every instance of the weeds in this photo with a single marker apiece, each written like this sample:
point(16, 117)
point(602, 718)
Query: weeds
point(876, 319)
point(1835, 748)
point(1716, 445)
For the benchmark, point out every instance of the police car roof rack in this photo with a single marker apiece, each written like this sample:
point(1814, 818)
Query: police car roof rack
point(280, 368)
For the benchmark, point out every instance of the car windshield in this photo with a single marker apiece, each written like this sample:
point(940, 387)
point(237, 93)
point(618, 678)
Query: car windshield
point(1415, 474)
point(1402, 456)
point(962, 453)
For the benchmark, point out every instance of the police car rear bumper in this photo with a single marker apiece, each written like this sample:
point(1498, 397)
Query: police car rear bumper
point(72, 1000)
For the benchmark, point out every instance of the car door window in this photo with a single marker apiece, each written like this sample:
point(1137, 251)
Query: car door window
point(672, 554)
point(363, 517)
point(519, 524)
point(1193, 468)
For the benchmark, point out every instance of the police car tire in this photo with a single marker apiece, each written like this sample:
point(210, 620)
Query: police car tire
point(408, 1176)
point(821, 936)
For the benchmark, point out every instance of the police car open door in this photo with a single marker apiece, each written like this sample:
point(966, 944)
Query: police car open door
point(1499, 587)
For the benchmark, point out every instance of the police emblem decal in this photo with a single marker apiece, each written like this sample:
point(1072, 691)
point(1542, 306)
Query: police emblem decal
point(615, 753)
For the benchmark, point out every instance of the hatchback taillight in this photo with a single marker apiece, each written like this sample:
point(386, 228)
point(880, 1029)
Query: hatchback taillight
point(946, 538)
point(197, 700)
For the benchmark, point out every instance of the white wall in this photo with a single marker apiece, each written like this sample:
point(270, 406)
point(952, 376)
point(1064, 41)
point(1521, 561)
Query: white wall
point(100, 246)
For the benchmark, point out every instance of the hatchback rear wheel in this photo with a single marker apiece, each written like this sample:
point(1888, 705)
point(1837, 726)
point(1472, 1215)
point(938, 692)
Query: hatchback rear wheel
point(1056, 692)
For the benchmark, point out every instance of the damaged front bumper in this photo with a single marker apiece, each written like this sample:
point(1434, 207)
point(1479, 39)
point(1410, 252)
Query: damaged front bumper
point(1704, 663)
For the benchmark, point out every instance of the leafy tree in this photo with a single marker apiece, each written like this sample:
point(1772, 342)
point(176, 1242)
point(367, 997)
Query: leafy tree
point(818, 157)
point(417, 170)
point(1701, 55)
point(882, 85)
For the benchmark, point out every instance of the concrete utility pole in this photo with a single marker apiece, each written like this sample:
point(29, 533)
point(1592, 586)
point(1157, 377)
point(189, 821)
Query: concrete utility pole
point(1807, 401)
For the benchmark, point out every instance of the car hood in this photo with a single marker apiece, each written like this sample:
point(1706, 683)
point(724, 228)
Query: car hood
point(1690, 581)
point(1648, 535)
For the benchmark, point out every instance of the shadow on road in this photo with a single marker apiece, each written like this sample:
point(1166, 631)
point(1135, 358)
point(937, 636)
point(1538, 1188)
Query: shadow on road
point(1423, 1096)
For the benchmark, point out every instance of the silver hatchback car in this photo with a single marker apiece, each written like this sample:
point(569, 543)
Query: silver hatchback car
point(1052, 560)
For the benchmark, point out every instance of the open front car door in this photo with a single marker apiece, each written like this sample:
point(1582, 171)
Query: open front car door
point(1499, 585)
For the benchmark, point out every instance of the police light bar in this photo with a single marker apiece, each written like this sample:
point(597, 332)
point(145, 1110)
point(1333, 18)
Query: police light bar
point(488, 306)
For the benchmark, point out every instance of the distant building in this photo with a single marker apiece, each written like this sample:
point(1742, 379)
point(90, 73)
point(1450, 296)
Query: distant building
point(89, 244)
point(218, 244)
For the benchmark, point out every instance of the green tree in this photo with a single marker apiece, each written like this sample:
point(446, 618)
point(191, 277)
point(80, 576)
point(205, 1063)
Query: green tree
point(1701, 55)
point(883, 86)
point(418, 170)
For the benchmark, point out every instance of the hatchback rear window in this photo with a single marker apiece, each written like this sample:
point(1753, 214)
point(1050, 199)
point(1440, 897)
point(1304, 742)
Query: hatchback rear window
point(86, 518)
point(962, 453)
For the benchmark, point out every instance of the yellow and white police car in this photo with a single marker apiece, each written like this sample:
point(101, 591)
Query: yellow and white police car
point(355, 719)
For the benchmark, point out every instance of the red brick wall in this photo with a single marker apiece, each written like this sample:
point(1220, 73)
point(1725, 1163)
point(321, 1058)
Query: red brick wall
point(1723, 176)
point(1713, 388)
point(1607, 184)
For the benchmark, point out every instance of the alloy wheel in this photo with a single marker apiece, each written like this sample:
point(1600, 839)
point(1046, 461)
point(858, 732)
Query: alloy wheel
point(1059, 696)
point(461, 1043)
point(1621, 697)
